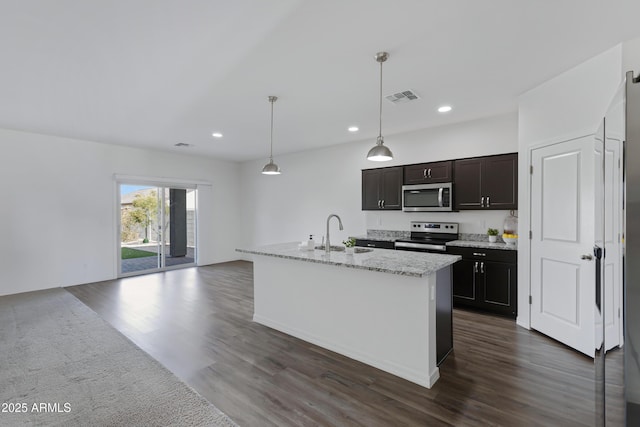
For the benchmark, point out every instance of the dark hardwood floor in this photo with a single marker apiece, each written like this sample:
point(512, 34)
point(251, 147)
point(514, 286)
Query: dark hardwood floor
point(197, 322)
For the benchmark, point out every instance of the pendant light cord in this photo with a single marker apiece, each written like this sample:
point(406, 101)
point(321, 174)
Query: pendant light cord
point(380, 134)
point(271, 149)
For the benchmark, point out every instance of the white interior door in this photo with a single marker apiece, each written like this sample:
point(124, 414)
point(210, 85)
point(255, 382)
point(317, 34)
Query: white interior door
point(562, 225)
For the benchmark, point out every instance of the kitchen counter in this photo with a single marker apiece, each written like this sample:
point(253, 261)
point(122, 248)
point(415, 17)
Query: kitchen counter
point(416, 264)
point(483, 245)
point(386, 308)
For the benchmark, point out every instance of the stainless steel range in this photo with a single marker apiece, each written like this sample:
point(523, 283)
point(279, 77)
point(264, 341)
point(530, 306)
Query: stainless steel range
point(429, 236)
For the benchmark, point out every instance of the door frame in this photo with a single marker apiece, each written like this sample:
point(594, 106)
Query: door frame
point(178, 183)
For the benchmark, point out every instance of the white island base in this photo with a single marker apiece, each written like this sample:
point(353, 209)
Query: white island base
point(384, 320)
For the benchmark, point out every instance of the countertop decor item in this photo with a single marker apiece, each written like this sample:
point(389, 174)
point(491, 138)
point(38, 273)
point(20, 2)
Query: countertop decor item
point(510, 239)
point(511, 224)
point(349, 245)
point(380, 153)
point(271, 168)
point(350, 242)
point(493, 235)
point(510, 234)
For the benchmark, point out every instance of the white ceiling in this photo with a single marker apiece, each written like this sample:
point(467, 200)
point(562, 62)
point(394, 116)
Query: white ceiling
point(152, 73)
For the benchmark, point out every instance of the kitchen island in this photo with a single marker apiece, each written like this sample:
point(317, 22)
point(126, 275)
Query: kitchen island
point(377, 307)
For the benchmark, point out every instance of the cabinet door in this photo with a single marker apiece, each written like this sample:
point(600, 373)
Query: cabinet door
point(464, 282)
point(428, 173)
point(370, 189)
point(440, 172)
point(500, 182)
point(391, 188)
point(499, 280)
point(467, 191)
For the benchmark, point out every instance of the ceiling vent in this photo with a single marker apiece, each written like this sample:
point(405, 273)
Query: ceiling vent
point(402, 97)
point(182, 144)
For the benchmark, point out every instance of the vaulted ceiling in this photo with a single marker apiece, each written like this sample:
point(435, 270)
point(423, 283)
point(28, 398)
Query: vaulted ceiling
point(153, 73)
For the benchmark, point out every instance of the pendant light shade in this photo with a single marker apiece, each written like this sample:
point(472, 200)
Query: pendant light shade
point(380, 152)
point(271, 168)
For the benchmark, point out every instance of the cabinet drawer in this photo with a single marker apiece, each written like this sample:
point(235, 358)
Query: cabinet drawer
point(383, 244)
point(482, 254)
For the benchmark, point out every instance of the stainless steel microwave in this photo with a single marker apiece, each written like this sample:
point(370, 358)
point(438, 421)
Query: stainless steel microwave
point(427, 197)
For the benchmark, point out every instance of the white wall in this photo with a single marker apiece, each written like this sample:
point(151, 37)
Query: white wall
point(64, 190)
point(314, 184)
point(631, 56)
point(567, 106)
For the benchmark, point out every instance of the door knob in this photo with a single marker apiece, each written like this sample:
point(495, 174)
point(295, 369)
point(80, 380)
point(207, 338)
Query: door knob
point(587, 257)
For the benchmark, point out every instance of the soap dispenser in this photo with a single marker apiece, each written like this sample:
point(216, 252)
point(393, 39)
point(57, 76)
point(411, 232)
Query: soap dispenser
point(311, 244)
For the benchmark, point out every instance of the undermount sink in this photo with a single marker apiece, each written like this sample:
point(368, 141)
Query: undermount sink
point(342, 248)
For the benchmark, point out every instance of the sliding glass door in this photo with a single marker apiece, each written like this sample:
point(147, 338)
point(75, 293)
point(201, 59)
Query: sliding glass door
point(157, 228)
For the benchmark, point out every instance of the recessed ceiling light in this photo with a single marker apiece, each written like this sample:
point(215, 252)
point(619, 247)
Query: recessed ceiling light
point(353, 129)
point(444, 109)
point(216, 135)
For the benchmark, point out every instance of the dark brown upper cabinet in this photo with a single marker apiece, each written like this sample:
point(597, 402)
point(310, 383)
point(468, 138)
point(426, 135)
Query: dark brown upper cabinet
point(486, 182)
point(382, 189)
point(427, 173)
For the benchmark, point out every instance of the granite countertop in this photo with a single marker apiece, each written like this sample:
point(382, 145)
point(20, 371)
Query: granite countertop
point(405, 263)
point(483, 245)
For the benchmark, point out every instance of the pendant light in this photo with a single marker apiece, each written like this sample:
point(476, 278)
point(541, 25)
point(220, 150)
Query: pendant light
point(380, 152)
point(271, 168)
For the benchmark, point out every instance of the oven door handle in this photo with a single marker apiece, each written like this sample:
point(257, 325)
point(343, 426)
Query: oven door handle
point(440, 190)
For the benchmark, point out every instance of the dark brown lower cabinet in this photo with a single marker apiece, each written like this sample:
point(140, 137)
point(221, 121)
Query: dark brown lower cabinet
point(486, 279)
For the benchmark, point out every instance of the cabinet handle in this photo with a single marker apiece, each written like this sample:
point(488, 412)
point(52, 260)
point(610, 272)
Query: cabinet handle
point(382, 203)
point(371, 245)
point(429, 173)
point(479, 254)
point(379, 203)
point(482, 202)
point(424, 173)
point(482, 267)
point(488, 201)
point(475, 268)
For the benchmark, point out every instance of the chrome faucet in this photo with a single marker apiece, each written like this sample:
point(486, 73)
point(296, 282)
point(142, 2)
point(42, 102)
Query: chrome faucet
point(327, 245)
